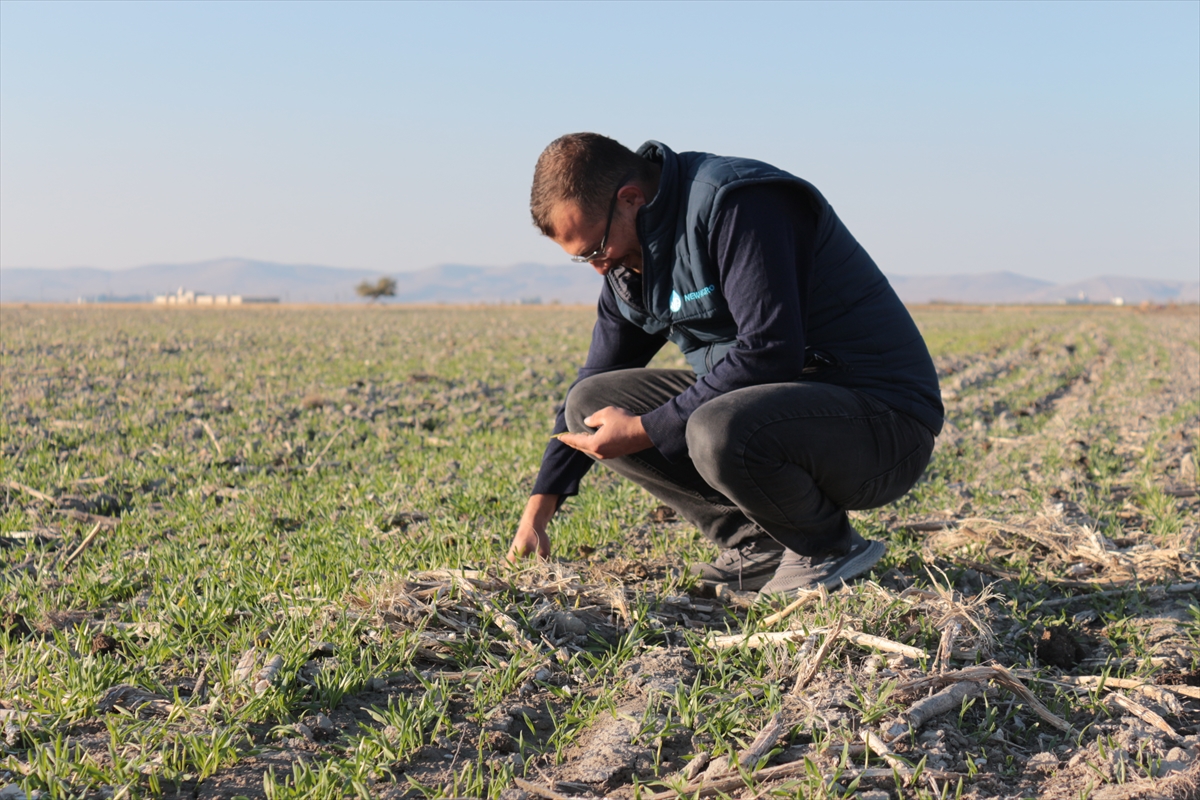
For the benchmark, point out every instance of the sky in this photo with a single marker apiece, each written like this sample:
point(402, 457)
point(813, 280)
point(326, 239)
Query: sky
point(1055, 140)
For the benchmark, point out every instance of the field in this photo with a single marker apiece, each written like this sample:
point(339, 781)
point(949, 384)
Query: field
point(258, 552)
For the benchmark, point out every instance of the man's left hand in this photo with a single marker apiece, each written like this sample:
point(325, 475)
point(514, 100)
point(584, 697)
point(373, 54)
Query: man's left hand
point(619, 434)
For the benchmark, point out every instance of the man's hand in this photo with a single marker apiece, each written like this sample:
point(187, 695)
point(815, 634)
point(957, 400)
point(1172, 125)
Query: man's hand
point(620, 433)
point(527, 542)
point(531, 530)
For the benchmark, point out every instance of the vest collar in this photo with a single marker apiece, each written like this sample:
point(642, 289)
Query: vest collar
point(657, 220)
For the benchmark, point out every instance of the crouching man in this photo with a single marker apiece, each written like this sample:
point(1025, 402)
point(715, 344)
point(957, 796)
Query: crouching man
point(810, 392)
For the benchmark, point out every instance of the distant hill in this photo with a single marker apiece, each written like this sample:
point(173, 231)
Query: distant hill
point(1009, 287)
point(303, 283)
point(1131, 290)
point(991, 287)
point(299, 282)
point(458, 283)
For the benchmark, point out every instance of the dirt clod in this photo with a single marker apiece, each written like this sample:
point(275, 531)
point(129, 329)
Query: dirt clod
point(103, 643)
point(663, 514)
point(14, 624)
point(1191, 678)
point(402, 521)
point(1060, 647)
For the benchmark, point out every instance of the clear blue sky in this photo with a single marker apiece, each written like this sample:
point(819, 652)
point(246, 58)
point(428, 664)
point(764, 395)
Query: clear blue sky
point(1058, 140)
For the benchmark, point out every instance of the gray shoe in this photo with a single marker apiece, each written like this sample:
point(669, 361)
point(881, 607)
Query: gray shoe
point(746, 566)
point(801, 573)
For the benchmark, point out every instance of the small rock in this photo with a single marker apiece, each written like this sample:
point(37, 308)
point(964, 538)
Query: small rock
point(932, 738)
point(695, 766)
point(268, 674)
point(873, 794)
point(501, 723)
point(1187, 469)
point(321, 726)
point(1176, 759)
point(305, 731)
point(12, 733)
point(1079, 570)
point(1042, 762)
point(717, 766)
point(521, 712)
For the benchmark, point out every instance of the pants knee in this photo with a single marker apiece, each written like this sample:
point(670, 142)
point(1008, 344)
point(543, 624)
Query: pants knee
point(710, 431)
point(586, 398)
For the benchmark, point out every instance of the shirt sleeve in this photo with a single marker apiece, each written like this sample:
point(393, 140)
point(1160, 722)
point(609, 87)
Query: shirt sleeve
point(762, 243)
point(616, 344)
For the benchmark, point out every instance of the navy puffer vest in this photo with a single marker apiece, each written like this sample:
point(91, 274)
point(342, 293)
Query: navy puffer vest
point(857, 331)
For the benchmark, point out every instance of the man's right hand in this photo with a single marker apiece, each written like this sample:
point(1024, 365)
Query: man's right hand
point(531, 531)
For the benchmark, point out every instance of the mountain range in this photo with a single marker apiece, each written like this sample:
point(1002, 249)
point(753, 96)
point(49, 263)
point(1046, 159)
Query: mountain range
point(458, 283)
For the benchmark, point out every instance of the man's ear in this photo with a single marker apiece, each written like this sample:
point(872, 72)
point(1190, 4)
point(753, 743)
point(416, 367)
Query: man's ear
point(632, 193)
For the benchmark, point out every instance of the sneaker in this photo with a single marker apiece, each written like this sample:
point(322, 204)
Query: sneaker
point(797, 572)
point(746, 566)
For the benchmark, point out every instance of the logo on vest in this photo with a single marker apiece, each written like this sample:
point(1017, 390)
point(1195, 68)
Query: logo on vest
point(678, 300)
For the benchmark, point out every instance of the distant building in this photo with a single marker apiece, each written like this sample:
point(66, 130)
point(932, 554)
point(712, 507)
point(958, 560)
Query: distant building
point(184, 297)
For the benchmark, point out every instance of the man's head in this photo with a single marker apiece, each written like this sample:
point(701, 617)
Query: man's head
point(587, 189)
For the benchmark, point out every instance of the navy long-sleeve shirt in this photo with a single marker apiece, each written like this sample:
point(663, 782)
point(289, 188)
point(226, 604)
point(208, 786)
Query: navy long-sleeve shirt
point(762, 245)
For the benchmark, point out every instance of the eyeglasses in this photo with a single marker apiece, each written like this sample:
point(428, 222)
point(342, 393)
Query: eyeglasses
point(598, 253)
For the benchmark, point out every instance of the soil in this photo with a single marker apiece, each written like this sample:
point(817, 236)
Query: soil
point(1113, 750)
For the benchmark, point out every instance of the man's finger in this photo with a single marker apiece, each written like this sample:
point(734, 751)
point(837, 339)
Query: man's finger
point(580, 441)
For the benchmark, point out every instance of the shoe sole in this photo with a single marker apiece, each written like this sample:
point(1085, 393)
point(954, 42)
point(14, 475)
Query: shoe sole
point(846, 572)
point(746, 584)
point(856, 566)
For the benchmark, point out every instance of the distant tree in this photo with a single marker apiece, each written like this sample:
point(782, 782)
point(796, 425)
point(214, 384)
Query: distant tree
point(384, 287)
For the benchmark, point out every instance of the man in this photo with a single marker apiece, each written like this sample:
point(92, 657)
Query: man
point(811, 391)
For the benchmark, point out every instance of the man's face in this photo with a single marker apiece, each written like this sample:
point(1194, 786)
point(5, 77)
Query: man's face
point(578, 235)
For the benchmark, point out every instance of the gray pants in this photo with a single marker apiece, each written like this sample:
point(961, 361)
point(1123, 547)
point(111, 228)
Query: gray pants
point(788, 458)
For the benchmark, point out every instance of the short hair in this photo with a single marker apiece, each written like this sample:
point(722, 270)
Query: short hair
point(584, 168)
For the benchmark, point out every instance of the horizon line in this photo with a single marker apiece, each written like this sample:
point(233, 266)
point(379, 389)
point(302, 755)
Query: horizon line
point(886, 273)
